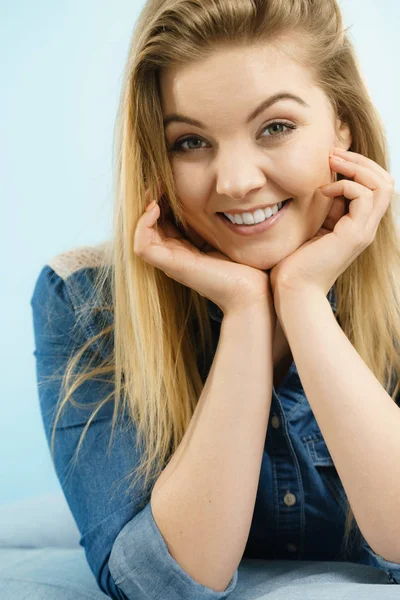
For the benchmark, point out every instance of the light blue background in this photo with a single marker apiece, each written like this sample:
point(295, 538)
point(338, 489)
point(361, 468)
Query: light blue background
point(62, 65)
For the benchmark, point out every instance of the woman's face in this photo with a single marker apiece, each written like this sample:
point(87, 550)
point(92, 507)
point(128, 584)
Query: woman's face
point(229, 162)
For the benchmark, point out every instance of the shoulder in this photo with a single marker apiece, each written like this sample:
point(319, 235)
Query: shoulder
point(76, 275)
point(69, 262)
point(69, 301)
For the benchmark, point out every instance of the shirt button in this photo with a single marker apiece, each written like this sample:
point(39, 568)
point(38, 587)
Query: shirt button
point(291, 547)
point(275, 422)
point(289, 499)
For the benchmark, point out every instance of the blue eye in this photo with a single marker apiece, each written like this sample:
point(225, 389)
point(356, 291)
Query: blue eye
point(178, 145)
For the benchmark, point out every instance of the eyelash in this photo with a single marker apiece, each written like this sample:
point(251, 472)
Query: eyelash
point(177, 147)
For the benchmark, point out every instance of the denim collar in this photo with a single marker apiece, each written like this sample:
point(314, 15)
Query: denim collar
point(216, 314)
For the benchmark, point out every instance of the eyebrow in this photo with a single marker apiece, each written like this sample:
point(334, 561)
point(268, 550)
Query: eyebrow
point(177, 118)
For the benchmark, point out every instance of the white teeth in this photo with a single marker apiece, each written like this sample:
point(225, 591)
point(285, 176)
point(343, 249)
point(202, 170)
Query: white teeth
point(258, 216)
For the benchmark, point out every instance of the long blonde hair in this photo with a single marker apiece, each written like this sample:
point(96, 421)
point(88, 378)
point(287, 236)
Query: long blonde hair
point(162, 337)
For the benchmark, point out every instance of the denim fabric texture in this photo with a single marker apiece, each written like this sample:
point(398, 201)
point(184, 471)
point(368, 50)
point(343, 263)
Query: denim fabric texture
point(299, 512)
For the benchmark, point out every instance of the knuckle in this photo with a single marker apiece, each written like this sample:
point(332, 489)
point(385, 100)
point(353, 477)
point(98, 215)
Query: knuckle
point(138, 250)
point(361, 239)
point(390, 186)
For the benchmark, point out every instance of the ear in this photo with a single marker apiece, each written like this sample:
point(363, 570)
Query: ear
point(343, 137)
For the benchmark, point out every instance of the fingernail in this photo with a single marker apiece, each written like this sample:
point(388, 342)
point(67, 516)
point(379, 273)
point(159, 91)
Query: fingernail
point(150, 206)
point(337, 158)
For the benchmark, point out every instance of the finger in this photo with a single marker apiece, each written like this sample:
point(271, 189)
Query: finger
point(360, 210)
point(363, 161)
point(382, 187)
point(145, 233)
point(149, 245)
point(358, 172)
point(336, 212)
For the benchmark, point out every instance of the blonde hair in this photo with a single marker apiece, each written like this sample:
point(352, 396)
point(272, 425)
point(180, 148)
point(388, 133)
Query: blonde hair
point(162, 336)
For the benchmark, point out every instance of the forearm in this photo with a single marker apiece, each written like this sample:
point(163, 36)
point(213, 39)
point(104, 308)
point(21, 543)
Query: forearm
point(203, 501)
point(358, 419)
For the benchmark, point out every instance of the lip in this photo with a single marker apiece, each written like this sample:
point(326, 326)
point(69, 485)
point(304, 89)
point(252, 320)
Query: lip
point(247, 230)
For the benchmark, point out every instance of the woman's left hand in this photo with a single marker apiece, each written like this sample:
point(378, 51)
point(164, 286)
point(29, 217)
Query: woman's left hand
point(317, 264)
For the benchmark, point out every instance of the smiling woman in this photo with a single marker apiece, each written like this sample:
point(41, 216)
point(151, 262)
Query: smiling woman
point(234, 157)
point(243, 324)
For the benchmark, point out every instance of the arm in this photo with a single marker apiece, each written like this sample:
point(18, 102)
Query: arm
point(123, 545)
point(358, 419)
point(203, 501)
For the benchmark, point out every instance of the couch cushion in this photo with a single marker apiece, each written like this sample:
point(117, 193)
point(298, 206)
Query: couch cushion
point(38, 522)
point(48, 574)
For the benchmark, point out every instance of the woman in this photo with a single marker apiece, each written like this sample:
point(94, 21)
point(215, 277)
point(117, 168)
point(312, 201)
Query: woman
point(245, 315)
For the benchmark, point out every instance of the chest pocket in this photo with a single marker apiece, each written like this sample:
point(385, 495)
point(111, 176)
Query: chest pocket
point(323, 463)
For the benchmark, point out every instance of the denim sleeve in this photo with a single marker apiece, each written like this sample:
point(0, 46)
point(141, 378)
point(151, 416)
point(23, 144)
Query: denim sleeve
point(123, 546)
point(391, 569)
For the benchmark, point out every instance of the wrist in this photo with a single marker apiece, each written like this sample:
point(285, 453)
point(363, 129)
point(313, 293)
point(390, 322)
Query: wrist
point(253, 312)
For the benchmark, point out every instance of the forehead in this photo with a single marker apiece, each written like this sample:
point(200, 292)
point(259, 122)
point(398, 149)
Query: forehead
point(241, 74)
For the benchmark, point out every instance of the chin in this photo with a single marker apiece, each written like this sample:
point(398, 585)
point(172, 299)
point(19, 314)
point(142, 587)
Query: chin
point(261, 263)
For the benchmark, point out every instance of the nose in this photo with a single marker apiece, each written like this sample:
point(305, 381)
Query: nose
point(237, 176)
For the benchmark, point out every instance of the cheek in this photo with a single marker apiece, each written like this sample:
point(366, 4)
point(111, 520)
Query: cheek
point(182, 176)
point(306, 168)
point(191, 187)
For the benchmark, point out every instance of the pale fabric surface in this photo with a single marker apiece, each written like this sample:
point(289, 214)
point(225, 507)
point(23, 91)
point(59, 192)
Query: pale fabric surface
point(40, 559)
point(63, 574)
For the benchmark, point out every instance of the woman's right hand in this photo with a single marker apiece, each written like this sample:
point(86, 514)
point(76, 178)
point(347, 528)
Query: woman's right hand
point(230, 285)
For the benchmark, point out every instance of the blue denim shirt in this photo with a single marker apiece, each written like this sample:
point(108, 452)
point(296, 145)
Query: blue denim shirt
point(300, 505)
